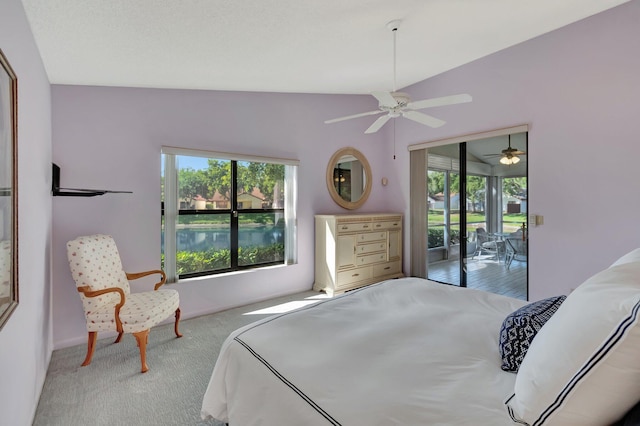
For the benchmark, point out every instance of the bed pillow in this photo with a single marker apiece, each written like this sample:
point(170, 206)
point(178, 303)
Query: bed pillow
point(632, 256)
point(521, 326)
point(583, 367)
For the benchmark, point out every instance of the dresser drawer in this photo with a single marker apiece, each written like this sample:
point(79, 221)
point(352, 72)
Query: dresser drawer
point(354, 275)
point(386, 269)
point(371, 247)
point(353, 226)
point(387, 224)
point(371, 236)
point(368, 259)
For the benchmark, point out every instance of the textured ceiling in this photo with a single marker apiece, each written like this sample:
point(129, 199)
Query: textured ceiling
point(307, 46)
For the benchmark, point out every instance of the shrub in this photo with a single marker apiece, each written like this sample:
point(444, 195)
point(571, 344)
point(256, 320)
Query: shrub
point(435, 237)
point(210, 260)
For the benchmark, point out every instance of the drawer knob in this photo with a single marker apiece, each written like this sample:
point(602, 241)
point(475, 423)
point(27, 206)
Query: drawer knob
point(387, 267)
point(355, 275)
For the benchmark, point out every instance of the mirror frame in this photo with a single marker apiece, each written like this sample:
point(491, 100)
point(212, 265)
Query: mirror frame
point(9, 145)
point(351, 205)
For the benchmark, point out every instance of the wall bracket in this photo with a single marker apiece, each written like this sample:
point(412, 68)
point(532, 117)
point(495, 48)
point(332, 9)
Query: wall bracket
point(76, 192)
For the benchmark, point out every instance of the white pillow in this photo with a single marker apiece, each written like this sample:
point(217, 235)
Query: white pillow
point(632, 256)
point(583, 367)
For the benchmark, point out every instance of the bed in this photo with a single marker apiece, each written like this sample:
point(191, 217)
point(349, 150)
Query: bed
point(414, 352)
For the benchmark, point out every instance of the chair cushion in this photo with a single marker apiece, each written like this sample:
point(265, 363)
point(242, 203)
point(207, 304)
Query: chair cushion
point(583, 366)
point(521, 326)
point(141, 311)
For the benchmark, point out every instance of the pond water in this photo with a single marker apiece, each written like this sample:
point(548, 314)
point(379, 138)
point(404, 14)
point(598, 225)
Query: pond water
point(200, 239)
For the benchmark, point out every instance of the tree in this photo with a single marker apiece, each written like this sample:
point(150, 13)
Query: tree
point(192, 183)
point(476, 190)
point(435, 182)
point(514, 186)
point(272, 180)
point(218, 177)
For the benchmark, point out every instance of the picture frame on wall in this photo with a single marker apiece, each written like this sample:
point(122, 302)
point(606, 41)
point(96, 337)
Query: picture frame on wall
point(8, 190)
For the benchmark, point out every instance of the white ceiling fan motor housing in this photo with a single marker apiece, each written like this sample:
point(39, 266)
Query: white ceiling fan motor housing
point(402, 100)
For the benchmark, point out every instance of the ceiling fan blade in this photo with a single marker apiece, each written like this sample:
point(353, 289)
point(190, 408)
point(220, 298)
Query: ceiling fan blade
point(445, 100)
point(378, 123)
point(423, 118)
point(349, 117)
point(385, 98)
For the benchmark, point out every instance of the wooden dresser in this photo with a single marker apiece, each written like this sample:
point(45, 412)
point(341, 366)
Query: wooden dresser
point(356, 250)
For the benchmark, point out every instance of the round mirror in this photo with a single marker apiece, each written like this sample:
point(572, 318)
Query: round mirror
point(349, 178)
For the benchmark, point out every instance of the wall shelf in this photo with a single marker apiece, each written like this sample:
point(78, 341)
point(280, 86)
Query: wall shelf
point(56, 190)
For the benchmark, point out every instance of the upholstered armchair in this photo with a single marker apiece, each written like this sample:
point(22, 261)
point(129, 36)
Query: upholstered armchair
point(108, 302)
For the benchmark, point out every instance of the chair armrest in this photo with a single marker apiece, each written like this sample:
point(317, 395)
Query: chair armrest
point(136, 275)
point(86, 290)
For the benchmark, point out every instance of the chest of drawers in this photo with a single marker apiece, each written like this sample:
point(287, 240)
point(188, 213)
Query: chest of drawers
point(356, 250)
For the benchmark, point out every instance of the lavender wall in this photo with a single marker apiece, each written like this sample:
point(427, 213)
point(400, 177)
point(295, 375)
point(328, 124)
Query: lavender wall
point(578, 89)
point(111, 137)
point(25, 340)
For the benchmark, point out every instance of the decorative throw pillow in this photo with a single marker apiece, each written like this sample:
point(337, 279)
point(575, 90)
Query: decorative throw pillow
point(632, 418)
point(583, 366)
point(521, 326)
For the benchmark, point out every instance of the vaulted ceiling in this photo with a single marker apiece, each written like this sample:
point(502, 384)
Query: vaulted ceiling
point(307, 46)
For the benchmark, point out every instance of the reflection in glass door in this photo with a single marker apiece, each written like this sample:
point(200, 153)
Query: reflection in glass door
point(443, 217)
point(476, 220)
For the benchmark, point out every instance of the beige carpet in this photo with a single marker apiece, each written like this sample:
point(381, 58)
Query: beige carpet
point(112, 391)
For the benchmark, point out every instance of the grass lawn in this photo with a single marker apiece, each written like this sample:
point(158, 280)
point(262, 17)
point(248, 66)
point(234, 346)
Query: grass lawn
point(512, 221)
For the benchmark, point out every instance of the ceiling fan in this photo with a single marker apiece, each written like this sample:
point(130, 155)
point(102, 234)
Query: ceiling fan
point(508, 156)
point(398, 104)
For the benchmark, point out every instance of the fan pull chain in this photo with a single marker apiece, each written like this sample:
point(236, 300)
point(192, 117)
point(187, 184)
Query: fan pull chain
point(394, 139)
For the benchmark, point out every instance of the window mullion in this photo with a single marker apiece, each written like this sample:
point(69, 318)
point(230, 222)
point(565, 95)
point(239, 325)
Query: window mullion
point(234, 214)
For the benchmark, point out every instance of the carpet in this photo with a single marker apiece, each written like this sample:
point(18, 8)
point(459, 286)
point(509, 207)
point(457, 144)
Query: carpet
point(112, 391)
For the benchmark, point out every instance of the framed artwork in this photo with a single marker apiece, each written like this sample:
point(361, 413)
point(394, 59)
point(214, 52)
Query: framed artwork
point(8, 190)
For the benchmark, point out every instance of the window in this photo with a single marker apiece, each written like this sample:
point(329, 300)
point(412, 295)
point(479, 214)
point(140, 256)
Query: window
point(223, 212)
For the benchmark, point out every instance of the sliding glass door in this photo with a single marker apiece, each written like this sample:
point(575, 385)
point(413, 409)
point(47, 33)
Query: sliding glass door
point(476, 215)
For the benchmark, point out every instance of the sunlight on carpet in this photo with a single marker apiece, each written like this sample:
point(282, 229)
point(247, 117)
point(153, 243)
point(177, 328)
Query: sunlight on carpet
point(289, 306)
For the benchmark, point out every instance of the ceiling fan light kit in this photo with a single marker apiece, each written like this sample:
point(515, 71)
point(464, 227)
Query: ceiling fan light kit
point(509, 160)
point(398, 104)
point(508, 156)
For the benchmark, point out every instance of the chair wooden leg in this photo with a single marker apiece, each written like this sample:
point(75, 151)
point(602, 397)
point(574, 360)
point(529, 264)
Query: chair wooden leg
point(119, 337)
point(91, 347)
point(142, 338)
point(177, 321)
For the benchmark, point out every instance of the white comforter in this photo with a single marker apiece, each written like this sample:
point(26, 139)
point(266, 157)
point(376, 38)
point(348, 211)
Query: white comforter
point(401, 352)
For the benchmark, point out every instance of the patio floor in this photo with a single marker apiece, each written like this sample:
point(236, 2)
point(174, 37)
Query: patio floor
point(484, 273)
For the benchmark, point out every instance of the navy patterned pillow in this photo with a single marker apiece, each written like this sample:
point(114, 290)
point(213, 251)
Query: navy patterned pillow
point(520, 327)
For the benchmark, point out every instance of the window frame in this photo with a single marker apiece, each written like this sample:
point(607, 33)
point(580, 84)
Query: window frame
point(171, 211)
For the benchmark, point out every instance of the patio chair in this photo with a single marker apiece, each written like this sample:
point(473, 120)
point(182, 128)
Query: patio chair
point(108, 303)
point(516, 249)
point(486, 243)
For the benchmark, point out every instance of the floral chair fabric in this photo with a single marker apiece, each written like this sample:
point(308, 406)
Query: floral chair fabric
point(106, 295)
